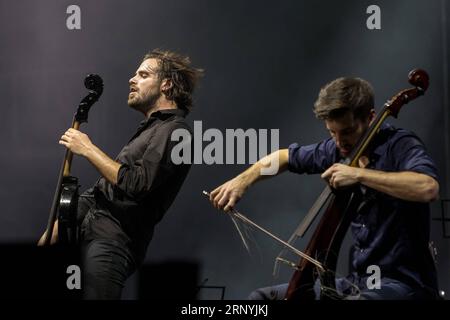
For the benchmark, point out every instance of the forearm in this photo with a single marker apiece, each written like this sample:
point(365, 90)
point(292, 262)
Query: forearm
point(107, 167)
point(228, 194)
point(270, 165)
point(407, 185)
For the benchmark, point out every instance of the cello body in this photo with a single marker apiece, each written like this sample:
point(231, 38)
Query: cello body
point(68, 203)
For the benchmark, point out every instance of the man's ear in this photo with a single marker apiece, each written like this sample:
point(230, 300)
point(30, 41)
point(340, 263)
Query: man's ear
point(166, 84)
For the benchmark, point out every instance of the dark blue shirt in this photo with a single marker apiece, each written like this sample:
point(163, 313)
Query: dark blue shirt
point(387, 231)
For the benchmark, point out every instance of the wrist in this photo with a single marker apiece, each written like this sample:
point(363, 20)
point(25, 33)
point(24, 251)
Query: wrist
point(89, 151)
point(246, 179)
point(360, 174)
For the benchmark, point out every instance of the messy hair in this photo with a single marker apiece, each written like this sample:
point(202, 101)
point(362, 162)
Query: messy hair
point(182, 76)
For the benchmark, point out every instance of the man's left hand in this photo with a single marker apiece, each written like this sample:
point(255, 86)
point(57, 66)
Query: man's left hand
point(341, 175)
point(76, 141)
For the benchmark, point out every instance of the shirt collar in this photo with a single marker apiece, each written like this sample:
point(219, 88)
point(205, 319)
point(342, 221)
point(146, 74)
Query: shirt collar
point(380, 144)
point(163, 114)
point(166, 113)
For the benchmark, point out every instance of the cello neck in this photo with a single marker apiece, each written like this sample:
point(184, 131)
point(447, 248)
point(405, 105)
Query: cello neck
point(69, 154)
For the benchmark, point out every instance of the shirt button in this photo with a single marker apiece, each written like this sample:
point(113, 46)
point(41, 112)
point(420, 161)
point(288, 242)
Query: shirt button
point(363, 225)
point(361, 250)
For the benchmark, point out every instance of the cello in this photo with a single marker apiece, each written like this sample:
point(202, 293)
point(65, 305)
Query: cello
point(62, 217)
point(340, 208)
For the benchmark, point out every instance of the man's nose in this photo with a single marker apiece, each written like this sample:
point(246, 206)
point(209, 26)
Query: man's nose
point(340, 141)
point(132, 81)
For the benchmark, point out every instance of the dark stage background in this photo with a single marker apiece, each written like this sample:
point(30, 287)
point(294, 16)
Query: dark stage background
point(264, 63)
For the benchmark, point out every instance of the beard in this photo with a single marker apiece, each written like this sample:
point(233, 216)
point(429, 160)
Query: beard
point(146, 103)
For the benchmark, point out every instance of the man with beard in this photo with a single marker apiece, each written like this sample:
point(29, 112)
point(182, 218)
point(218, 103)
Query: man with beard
point(397, 177)
point(118, 214)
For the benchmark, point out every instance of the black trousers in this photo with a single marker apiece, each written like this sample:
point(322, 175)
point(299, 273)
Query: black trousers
point(106, 263)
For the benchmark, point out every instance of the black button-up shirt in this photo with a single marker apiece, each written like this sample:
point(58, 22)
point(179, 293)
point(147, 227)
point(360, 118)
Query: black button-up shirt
point(148, 182)
point(387, 231)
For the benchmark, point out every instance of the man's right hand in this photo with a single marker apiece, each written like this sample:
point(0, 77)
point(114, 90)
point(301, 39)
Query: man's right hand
point(228, 194)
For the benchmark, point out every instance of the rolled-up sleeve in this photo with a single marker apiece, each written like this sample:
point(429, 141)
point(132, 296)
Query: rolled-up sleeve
point(411, 155)
point(155, 167)
point(313, 158)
